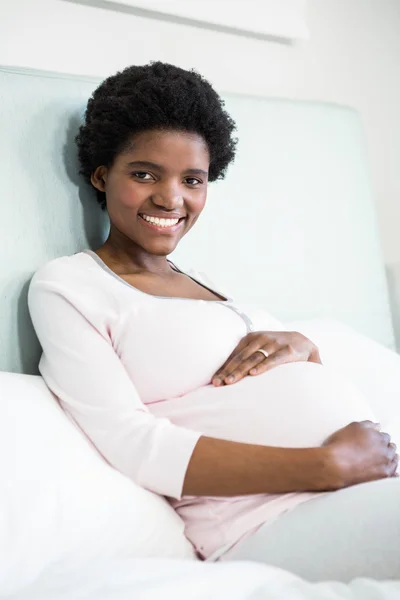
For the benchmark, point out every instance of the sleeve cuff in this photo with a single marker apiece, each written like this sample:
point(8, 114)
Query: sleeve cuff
point(165, 468)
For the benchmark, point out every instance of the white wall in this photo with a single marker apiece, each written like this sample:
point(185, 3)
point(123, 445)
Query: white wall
point(352, 57)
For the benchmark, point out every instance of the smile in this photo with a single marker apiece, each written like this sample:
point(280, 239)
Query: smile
point(160, 222)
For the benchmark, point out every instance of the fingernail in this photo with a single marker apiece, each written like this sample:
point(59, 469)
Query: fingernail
point(229, 379)
point(253, 372)
point(217, 381)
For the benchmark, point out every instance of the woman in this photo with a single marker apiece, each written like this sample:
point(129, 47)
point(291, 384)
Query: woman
point(220, 410)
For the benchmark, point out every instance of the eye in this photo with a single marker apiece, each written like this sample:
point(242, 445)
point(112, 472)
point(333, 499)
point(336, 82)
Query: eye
point(142, 175)
point(193, 181)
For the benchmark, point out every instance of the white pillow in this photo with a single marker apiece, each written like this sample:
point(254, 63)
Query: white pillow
point(60, 501)
point(374, 369)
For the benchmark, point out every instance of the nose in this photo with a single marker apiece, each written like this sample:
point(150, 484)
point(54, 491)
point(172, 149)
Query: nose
point(168, 203)
point(169, 198)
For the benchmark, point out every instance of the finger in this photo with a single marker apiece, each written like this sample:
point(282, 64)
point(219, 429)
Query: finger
point(280, 357)
point(252, 341)
point(251, 359)
point(394, 467)
point(234, 365)
point(371, 424)
point(241, 345)
point(392, 451)
point(315, 356)
point(386, 437)
point(245, 367)
point(218, 376)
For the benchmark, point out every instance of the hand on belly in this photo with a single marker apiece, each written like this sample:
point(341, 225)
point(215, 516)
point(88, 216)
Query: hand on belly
point(294, 405)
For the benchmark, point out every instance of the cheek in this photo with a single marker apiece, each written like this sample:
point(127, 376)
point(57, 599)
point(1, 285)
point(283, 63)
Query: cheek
point(197, 203)
point(124, 195)
point(196, 208)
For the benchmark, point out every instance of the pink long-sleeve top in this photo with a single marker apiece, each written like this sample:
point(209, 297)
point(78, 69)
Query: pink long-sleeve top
point(133, 371)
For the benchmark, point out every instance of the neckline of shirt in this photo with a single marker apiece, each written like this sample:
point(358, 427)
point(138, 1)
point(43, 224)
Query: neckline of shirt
point(96, 258)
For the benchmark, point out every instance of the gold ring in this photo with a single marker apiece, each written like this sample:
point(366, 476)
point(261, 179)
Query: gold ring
point(263, 352)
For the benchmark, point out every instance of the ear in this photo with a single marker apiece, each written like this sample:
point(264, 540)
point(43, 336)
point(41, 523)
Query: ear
point(99, 177)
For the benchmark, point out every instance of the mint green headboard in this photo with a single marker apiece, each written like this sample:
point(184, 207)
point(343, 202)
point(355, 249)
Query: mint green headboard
point(292, 228)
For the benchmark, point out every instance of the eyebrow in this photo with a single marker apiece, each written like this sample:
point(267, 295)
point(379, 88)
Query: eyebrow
point(150, 165)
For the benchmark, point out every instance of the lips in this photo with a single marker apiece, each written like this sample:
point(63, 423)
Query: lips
point(162, 224)
point(170, 216)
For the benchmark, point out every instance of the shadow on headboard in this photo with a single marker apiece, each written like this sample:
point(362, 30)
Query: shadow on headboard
point(29, 352)
point(93, 216)
point(47, 209)
point(300, 176)
point(93, 229)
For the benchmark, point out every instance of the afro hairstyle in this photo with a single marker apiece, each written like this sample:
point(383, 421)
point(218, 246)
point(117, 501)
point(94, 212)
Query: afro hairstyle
point(150, 97)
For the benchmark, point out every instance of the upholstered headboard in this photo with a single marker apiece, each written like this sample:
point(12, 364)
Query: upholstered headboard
point(292, 227)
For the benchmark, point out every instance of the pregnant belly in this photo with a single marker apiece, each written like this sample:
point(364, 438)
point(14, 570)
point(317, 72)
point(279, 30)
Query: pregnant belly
point(294, 405)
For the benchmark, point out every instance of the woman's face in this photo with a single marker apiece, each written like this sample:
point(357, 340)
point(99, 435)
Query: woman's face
point(156, 189)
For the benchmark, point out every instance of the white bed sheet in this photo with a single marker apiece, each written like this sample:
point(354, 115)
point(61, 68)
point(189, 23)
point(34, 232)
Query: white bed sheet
point(155, 579)
point(376, 371)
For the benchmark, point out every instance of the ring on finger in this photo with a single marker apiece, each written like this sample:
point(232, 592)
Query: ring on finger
point(263, 352)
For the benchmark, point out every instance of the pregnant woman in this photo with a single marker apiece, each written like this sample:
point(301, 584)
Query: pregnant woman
point(265, 453)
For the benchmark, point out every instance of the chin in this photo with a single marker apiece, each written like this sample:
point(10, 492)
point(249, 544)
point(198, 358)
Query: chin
point(161, 250)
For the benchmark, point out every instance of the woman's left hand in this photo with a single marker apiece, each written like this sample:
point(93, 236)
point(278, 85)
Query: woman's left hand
point(280, 347)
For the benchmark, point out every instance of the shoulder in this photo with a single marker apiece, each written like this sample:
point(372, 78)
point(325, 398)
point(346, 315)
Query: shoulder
point(76, 278)
point(69, 285)
point(63, 269)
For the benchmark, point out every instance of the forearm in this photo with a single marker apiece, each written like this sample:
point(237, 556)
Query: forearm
point(224, 468)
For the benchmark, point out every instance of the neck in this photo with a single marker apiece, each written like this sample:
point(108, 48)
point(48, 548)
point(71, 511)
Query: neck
point(127, 257)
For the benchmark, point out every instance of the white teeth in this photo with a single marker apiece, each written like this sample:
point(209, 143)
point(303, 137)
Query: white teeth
point(160, 222)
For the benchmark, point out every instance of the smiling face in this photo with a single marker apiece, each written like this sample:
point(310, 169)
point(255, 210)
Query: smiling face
point(155, 189)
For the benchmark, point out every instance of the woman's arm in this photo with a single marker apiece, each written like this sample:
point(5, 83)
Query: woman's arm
point(80, 365)
point(223, 468)
point(355, 454)
point(71, 318)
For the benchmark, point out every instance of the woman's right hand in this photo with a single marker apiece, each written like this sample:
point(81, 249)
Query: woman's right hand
point(361, 452)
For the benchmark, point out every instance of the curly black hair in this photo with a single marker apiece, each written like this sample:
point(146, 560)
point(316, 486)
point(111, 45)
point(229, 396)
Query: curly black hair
point(153, 96)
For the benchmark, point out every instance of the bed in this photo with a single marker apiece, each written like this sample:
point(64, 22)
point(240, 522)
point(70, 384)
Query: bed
point(297, 215)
